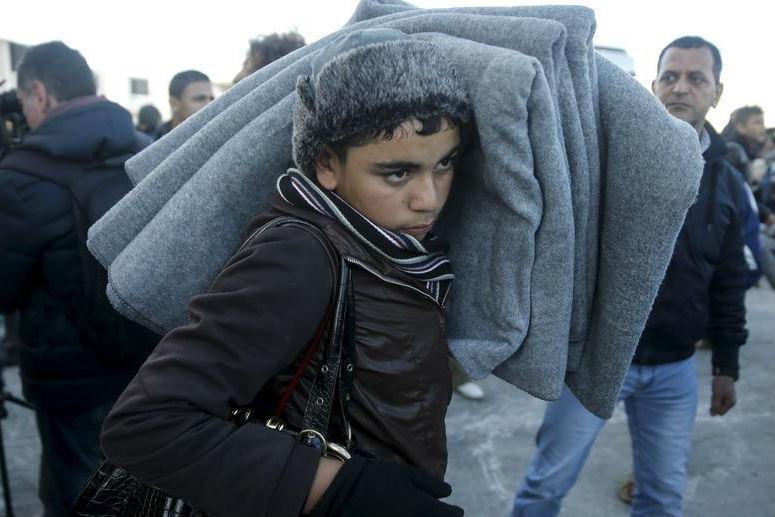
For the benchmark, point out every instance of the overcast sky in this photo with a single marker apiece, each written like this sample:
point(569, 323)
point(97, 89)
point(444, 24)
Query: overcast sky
point(158, 38)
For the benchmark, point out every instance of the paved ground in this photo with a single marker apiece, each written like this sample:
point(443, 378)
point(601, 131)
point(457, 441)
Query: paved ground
point(732, 470)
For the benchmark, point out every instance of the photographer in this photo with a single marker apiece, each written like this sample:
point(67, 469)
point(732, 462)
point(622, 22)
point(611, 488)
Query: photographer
point(12, 123)
point(42, 269)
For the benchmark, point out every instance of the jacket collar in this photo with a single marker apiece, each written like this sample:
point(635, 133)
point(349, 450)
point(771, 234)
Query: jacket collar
point(85, 129)
point(718, 148)
point(345, 243)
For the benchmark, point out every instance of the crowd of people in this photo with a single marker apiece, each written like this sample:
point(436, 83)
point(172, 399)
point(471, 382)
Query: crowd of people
point(192, 90)
point(368, 187)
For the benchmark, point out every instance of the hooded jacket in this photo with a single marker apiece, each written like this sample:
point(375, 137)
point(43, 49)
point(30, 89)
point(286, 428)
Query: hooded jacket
point(40, 265)
point(703, 292)
point(170, 427)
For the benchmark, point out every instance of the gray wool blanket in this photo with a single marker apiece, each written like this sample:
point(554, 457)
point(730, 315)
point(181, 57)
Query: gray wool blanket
point(561, 220)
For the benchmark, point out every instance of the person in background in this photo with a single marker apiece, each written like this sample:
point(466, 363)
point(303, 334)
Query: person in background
point(41, 266)
point(265, 49)
point(190, 91)
point(148, 120)
point(746, 128)
point(747, 145)
point(702, 295)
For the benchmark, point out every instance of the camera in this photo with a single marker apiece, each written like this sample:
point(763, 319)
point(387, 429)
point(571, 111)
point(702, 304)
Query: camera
point(13, 126)
point(9, 103)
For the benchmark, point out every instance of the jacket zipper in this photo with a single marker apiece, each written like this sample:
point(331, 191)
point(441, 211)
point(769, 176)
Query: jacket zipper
point(389, 280)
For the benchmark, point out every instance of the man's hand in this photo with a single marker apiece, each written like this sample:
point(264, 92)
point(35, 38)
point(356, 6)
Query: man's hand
point(723, 397)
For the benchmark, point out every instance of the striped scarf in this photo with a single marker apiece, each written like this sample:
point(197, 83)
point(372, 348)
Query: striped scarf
point(425, 262)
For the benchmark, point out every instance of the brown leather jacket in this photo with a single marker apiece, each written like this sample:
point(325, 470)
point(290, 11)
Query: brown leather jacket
point(170, 427)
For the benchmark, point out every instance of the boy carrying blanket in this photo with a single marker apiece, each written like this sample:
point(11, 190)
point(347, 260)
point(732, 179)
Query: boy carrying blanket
point(313, 375)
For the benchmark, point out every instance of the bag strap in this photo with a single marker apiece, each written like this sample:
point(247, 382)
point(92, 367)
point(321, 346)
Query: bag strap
point(338, 325)
point(319, 334)
point(347, 376)
point(317, 413)
point(63, 173)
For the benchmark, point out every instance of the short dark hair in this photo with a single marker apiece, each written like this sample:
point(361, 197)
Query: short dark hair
point(428, 126)
point(271, 47)
point(687, 42)
point(741, 115)
point(62, 70)
point(183, 79)
point(149, 116)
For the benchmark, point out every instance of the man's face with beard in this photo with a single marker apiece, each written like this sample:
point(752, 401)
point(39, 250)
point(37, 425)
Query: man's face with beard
point(686, 85)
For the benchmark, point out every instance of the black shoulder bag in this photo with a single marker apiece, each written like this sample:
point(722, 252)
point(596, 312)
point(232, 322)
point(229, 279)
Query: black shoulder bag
point(113, 492)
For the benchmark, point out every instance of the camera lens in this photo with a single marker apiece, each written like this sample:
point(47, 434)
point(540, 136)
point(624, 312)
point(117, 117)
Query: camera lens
point(9, 103)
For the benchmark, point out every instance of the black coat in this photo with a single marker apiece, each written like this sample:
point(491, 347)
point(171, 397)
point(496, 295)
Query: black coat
point(703, 292)
point(40, 265)
point(246, 334)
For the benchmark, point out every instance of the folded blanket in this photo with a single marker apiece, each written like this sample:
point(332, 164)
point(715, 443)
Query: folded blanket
point(580, 117)
point(651, 172)
point(519, 173)
point(532, 301)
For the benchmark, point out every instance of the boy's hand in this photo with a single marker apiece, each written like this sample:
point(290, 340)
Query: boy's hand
point(723, 396)
point(366, 488)
point(324, 476)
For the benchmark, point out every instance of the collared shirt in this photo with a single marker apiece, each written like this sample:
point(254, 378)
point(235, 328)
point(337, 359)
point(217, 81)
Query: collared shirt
point(704, 140)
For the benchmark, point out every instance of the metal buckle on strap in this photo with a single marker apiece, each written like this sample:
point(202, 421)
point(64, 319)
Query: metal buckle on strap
point(327, 449)
point(275, 423)
point(337, 452)
point(241, 415)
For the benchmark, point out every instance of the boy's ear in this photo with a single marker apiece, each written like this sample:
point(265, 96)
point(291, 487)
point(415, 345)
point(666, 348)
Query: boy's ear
point(174, 104)
point(327, 169)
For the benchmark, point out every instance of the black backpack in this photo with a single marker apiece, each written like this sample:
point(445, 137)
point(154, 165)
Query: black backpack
point(94, 188)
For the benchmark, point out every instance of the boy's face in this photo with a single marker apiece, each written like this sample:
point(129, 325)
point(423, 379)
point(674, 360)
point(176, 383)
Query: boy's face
point(400, 184)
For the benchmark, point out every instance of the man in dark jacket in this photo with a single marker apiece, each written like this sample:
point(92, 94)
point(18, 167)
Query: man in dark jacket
point(40, 264)
point(702, 295)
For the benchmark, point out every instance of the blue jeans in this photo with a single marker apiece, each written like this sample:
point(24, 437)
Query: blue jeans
point(70, 453)
point(660, 402)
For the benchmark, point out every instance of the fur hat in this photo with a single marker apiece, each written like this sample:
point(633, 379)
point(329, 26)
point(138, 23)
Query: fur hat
point(370, 80)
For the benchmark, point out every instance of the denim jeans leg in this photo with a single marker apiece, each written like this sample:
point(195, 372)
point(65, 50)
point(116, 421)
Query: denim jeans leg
point(563, 444)
point(71, 451)
point(661, 416)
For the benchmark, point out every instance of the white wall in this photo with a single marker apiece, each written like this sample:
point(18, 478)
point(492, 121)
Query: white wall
point(5, 67)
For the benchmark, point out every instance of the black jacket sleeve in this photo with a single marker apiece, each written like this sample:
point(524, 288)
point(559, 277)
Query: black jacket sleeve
point(726, 325)
point(170, 428)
